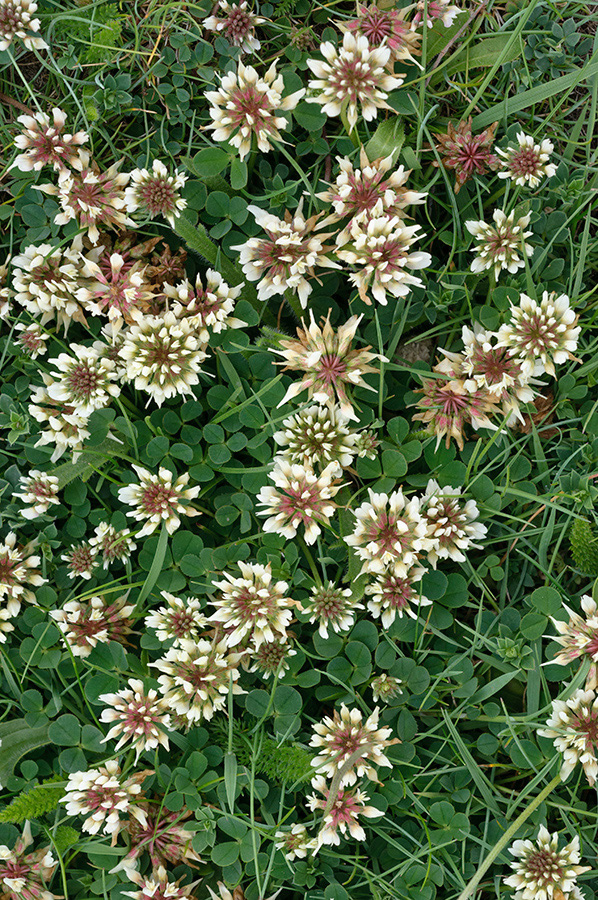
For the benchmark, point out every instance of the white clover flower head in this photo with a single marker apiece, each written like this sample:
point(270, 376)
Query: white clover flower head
point(527, 163)
point(272, 657)
point(156, 192)
point(294, 843)
point(39, 491)
point(541, 335)
point(246, 108)
point(46, 280)
point(343, 817)
point(162, 356)
point(81, 560)
point(380, 251)
point(574, 727)
point(208, 308)
point(157, 886)
point(181, 619)
point(340, 737)
point(102, 796)
point(542, 871)
point(386, 688)
point(579, 638)
point(452, 525)
point(24, 876)
point(159, 498)
point(500, 246)
point(45, 142)
point(236, 23)
point(394, 593)
point(31, 339)
point(137, 717)
point(331, 607)
point(386, 27)
point(252, 606)
point(317, 436)
point(389, 531)
point(112, 543)
point(356, 75)
point(98, 620)
point(82, 379)
point(18, 573)
point(16, 22)
point(300, 498)
point(63, 425)
point(115, 285)
point(288, 257)
point(195, 678)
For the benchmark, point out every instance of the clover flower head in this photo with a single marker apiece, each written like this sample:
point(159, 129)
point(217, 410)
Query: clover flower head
point(340, 737)
point(31, 339)
point(81, 560)
point(45, 143)
point(103, 796)
point(573, 726)
point(18, 573)
point(177, 621)
point(209, 308)
point(236, 23)
point(329, 365)
point(85, 624)
point(23, 876)
point(343, 817)
point(46, 280)
point(156, 192)
point(90, 197)
point(64, 425)
point(112, 543)
point(294, 843)
point(39, 491)
point(246, 108)
point(272, 657)
point(500, 245)
point(385, 27)
point(137, 717)
point(159, 498)
point(394, 593)
point(317, 436)
point(579, 638)
point(195, 678)
point(542, 334)
point(389, 531)
point(299, 498)
point(447, 406)
point(527, 163)
point(331, 607)
point(287, 258)
point(353, 76)
point(252, 606)
point(157, 886)
point(161, 835)
point(436, 9)
point(380, 250)
point(82, 379)
point(163, 356)
point(16, 22)
point(115, 286)
point(465, 153)
point(358, 191)
point(385, 688)
point(542, 871)
point(452, 525)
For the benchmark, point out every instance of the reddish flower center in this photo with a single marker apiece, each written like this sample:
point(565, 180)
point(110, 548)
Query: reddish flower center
point(385, 533)
point(83, 381)
point(396, 592)
point(329, 603)
point(157, 498)
point(525, 161)
point(587, 724)
point(545, 866)
point(331, 368)
point(238, 25)
point(7, 570)
point(157, 195)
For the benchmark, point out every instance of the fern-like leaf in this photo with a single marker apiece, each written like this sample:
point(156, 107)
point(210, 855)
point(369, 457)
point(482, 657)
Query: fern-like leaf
point(65, 837)
point(39, 800)
point(288, 763)
point(284, 8)
point(584, 547)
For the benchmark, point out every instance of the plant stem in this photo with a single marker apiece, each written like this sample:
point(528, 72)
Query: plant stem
point(506, 838)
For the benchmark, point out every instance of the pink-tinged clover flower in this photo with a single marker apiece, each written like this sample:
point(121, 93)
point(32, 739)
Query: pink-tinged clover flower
point(331, 607)
point(24, 876)
point(112, 543)
point(300, 498)
point(18, 573)
point(527, 163)
point(46, 280)
point(356, 75)
point(161, 835)
point(436, 9)
point(380, 250)
point(16, 22)
point(32, 339)
point(98, 620)
point(385, 27)
point(573, 726)
point(91, 197)
point(114, 286)
point(159, 498)
point(81, 560)
point(542, 334)
point(328, 363)
point(246, 108)
point(295, 843)
point(103, 796)
point(447, 406)
point(236, 23)
point(83, 379)
point(579, 638)
point(542, 871)
point(210, 308)
point(393, 594)
point(272, 658)
point(389, 531)
point(137, 717)
point(451, 525)
point(465, 153)
point(156, 193)
point(180, 620)
point(500, 245)
point(39, 491)
point(287, 257)
point(45, 143)
point(343, 817)
point(340, 737)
